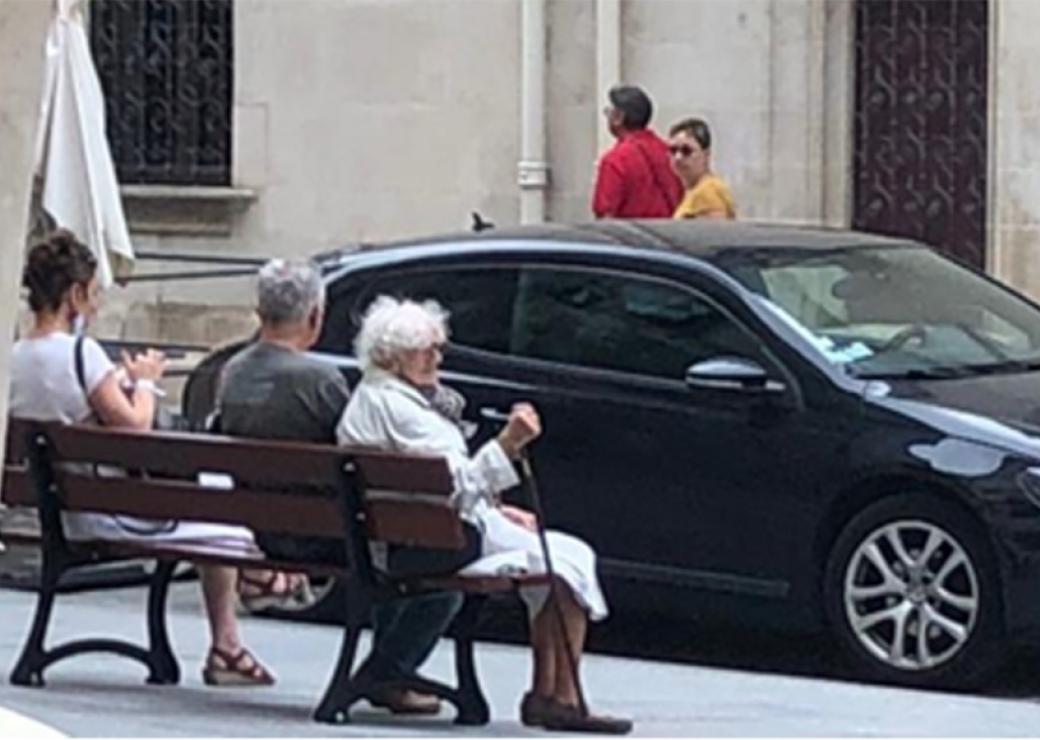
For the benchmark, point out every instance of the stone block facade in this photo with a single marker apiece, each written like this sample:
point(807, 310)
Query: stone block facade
point(372, 119)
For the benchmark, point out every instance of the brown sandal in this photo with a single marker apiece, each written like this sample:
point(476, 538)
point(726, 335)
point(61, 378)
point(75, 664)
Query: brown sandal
point(272, 588)
point(238, 669)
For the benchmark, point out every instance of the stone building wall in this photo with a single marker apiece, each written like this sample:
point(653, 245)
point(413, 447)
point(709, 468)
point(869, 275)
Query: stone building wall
point(22, 31)
point(375, 119)
point(1014, 202)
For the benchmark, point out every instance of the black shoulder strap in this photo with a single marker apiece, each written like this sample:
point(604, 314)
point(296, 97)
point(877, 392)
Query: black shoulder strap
point(81, 374)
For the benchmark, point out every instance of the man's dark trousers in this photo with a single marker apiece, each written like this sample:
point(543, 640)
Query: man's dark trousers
point(405, 631)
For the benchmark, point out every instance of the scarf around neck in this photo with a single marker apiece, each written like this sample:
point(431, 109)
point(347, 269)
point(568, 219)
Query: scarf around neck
point(446, 401)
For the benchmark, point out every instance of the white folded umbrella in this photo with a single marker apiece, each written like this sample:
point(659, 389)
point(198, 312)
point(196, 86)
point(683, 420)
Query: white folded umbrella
point(79, 186)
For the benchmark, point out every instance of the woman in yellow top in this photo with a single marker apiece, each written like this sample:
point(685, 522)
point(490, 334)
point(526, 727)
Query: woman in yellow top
point(707, 196)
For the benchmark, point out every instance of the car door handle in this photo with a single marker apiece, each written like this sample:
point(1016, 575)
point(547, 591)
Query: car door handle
point(490, 413)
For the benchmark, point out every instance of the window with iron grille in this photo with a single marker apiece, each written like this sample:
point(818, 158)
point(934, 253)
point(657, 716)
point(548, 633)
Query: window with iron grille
point(166, 71)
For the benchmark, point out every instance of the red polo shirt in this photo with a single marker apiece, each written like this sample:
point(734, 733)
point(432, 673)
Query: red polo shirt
point(636, 180)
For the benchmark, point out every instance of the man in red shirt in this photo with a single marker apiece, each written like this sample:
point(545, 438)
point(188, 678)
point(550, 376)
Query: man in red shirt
point(635, 177)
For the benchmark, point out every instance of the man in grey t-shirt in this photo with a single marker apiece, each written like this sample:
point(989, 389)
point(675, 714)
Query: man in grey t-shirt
point(273, 390)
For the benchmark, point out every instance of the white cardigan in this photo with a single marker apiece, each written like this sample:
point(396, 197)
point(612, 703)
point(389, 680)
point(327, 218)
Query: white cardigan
point(387, 412)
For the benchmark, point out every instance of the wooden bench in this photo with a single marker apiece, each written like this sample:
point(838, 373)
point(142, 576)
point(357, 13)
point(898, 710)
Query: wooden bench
point(355, 495)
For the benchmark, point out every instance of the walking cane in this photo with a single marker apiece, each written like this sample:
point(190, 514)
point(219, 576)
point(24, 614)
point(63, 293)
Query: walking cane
point(536, 503)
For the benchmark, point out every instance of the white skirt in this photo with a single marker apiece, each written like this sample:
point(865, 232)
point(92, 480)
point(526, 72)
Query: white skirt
point(85, 525)
point(508, 549)
point(82, 526)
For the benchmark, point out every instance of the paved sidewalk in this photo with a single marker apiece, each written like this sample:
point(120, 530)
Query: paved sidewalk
point(106, 695)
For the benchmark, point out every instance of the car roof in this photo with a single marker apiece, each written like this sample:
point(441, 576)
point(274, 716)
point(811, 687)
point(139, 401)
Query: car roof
point(702, 238)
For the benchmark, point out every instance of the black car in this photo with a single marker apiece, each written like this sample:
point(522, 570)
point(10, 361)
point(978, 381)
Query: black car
point(823, 427)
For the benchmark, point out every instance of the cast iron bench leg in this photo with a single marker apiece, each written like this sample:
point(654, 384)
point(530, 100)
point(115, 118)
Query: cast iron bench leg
point(28, 671)
point(471, 705)
point(342, 692)
point(162, 664)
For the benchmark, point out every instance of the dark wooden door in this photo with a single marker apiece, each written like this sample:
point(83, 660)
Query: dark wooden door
point(919, 161)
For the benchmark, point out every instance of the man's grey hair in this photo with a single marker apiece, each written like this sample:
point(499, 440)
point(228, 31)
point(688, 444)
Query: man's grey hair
point(391, 327)
point(288, 290)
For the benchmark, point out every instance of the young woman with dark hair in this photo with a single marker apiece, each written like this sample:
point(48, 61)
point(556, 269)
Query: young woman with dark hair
point(50, 383)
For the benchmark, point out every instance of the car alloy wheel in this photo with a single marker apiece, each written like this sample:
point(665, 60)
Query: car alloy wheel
point(912, 590)
point(911, 594)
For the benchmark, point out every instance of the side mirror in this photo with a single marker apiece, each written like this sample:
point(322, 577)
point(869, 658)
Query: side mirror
point(732, 374)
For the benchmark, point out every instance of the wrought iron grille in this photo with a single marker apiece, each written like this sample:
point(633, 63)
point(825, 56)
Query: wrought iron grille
point(166, 70)
point(920, 122)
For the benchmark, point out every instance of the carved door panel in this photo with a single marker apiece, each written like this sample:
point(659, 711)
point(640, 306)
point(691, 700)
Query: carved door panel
point(919, 158)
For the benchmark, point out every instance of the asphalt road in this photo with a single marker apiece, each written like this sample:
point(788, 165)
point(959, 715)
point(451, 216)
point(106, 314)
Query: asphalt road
point(673, 683)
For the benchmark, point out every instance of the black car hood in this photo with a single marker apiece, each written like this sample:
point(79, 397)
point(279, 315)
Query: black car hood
point(998, 410)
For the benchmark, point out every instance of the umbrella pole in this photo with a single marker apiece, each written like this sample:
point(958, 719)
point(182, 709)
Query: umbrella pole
point(536, 503)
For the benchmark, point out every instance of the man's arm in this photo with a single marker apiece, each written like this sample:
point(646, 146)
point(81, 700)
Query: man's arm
point(610, 190)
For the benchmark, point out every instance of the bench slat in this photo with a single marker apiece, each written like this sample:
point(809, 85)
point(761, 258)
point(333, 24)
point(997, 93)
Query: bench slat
point(249, 461)
point(17, 487)
point(305, 514)
point(482, 584)
point(201, 552)
point(415, 523)
point(14, 446)
point(403, 473)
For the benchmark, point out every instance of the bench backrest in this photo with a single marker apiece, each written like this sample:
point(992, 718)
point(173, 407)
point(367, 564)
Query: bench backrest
point(287, 487)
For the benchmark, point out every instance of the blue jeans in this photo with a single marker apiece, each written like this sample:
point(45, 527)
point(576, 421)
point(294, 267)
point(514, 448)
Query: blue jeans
point(406, 630)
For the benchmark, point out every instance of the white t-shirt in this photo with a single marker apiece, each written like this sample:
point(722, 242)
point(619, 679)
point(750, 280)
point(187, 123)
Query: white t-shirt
point(44, 386)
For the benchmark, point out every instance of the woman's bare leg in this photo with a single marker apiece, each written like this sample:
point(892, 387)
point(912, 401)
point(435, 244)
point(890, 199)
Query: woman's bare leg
point(575, 623)
point(218, 596)
point(543, 652)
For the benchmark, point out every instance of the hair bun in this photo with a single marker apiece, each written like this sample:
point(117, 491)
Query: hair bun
point(53, 266)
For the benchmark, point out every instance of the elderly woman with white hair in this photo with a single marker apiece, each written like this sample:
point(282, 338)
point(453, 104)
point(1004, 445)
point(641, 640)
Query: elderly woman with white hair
point(400, 405)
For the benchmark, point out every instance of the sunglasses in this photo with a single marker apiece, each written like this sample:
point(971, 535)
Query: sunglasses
point(680, 150)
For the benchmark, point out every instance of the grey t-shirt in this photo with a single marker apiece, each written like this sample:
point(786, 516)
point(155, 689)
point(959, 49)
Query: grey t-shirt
point(271, 392)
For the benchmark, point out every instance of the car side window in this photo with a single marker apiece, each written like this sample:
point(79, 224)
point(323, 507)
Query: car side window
point(611, 322)
point(479, 301)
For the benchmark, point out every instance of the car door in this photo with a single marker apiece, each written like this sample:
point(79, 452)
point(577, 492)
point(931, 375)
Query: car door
point(676, 484)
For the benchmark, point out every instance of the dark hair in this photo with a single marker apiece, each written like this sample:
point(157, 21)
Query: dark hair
point(695, 127)
point(634, 104)
point(53, 267)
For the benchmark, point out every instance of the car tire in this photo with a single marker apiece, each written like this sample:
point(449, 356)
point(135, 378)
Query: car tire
point(328, 606)
point(912, 590)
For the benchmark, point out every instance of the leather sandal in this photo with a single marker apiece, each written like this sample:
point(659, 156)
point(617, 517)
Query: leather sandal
point(234, 669)
point(273, 588)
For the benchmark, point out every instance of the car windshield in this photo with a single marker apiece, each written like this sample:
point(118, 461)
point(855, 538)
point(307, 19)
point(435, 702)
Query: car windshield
point(888, 312)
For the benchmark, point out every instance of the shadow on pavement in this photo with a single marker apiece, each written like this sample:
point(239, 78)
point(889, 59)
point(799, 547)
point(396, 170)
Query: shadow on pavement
point(714, 645)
